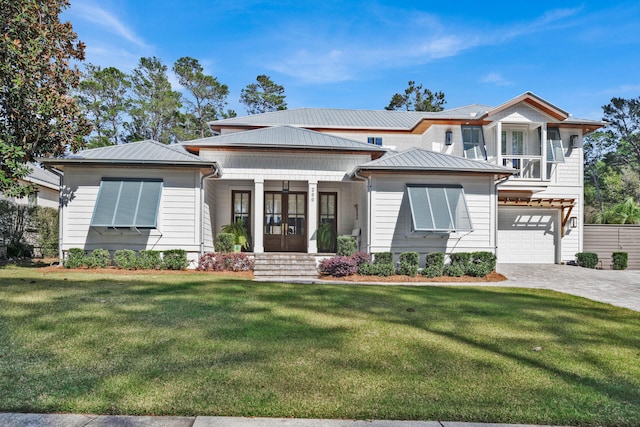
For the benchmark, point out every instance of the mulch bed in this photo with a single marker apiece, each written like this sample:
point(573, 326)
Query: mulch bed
point(492, 277)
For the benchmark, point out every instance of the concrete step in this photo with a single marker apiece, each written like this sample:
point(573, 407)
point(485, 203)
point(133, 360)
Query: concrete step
point(285, 265)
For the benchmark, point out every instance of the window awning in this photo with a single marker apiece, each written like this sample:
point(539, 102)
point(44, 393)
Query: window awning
point(438, 208)
point(131, 203)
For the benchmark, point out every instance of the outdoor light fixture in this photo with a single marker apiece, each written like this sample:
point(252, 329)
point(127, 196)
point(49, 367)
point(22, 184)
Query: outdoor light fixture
point(285, 186)
point(573, 139)
point(447, 137)
point(573, 222)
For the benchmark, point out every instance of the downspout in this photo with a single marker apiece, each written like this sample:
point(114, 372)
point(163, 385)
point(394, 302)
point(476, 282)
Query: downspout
point(368, 229)
point(215, 172)
point(495, 228)
point(60, 210)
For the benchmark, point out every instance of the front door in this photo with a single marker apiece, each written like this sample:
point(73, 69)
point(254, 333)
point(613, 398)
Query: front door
point(285, 222)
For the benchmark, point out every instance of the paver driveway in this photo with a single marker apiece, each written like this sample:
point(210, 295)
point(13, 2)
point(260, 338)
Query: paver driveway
point(619, 288)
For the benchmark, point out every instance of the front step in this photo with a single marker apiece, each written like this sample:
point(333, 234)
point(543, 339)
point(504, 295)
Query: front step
point(285, 265)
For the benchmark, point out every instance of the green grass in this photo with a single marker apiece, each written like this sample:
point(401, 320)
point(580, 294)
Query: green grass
point(197, 344)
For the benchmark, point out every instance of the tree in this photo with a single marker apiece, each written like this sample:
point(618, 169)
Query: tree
point(103, 97)
point(415, 98)
point(155, 105)
point(38, 116)
point(623, 118)
point(263, 96)
point(206, 101)
point(627, 212)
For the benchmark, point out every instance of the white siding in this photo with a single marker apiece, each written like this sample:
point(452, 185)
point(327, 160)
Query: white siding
point(391, 216)
point(178, 226)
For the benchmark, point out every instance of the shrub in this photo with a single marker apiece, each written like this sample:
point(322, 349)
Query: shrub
point(125, 259)
point(212, 261)
point(19, 250)
point(347, 245)
point(461, 258)
point(47, 224)
point(454, 270)
point(224, 242)
point(587, 259)
point(409, 263)
point(149, 260)
point(481, 264)
point(480, 269)
point(237, 262)
point(76, 258)
point(382, 270)
point(383, 258)
point(339, 266)
point(361, 258)
point(175, 259)
point(435, 265)
point(620, 260)
point(99, 258)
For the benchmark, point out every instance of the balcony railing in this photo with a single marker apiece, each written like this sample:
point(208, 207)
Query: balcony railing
point(528, 167)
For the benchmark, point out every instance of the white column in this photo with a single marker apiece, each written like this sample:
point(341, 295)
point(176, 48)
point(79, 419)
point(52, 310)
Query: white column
point(543, 151)
point(258, 215)
point(312, 218)
point(499, 143)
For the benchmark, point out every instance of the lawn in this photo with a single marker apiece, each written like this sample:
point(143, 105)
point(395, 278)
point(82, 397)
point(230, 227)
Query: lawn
point(201, 344)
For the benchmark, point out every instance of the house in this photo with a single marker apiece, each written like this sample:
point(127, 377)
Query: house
point(47, 186)
point(504, 179)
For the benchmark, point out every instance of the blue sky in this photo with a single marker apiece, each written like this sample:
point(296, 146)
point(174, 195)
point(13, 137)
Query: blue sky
point(357, 54)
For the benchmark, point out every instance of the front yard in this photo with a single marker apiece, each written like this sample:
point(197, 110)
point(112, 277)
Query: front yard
point(203, 344)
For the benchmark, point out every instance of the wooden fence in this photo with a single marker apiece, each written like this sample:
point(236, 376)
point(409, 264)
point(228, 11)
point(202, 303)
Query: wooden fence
point(606, 239)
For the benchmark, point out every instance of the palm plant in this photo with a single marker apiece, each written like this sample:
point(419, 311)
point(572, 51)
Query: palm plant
point(326, 237)
point(627, 212)
point(239, 231)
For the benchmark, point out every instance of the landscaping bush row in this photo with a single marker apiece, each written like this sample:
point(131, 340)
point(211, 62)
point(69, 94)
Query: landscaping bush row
point(476, 264)
point(126, 259)
point(237, 261)
point(590, 260)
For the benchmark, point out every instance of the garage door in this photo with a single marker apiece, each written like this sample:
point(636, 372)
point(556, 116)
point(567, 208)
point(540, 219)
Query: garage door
point(527, 236)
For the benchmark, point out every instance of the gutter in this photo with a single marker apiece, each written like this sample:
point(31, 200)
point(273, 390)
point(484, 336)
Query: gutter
point(356, 175)
point(60, 210)
point(215, 172)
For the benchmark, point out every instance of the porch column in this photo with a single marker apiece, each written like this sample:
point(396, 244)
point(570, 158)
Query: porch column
point(258, 217)
point(499, 142)
point(312, 218)
point(543, 151)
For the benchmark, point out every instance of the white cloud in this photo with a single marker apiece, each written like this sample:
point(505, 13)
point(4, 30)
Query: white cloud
point(104, 19)
point(496, 79)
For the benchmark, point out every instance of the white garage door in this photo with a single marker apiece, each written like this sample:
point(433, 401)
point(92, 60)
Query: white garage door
point(527, 236)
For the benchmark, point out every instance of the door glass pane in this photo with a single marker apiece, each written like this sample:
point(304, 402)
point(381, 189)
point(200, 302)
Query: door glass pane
point(295, 215)
point(273, 213)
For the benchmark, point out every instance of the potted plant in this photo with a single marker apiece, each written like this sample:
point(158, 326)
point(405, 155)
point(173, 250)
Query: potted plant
point(240, 233)
point(326, 237)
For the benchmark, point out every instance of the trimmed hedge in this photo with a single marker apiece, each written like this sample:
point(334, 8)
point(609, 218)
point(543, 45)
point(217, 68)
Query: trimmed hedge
point(347, 245)
point(435, 265)
point(175, 259)
point(587, 259)
point(409, 263)
point(149, 260)
point(382, 270)
point(125, 259)
point(225, 242)
point(620, 260)
point(76, 258)
point(99, 258)
point(339, 266)
point(383, 258)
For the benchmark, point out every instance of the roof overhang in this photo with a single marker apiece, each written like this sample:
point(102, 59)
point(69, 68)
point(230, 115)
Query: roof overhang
point(534, 101)
point(62, 162)
point(565, 205)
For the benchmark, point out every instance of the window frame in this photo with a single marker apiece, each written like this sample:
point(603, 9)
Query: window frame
point(555, 148)
point(117, 208)
point(375, 140)
point(453, 218)
point(233, 208)
point(475, 146)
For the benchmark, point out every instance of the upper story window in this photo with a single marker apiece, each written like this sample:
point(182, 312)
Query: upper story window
point(473, 141)
point(438, 208)
point(555, 150)
point(375, 140)
point(131, 203)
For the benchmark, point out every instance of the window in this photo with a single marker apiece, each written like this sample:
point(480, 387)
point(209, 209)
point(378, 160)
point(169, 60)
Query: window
point(127, 203)
point(438, 208)
point(473, 141)
point(374, 140)
point(555, 151)
point(242, 208)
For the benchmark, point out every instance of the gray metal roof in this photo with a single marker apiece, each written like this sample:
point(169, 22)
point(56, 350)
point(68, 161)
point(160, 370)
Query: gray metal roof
point(42, 176)
point(416, 159)
point(331, 118)
point(283, 137)
point(138, 153)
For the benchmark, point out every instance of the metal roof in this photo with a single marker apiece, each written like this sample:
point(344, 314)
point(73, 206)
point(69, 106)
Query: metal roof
point(331, 118)
point(416, 159)
point(283, 137)
point(42, 176)
point(136, 153)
